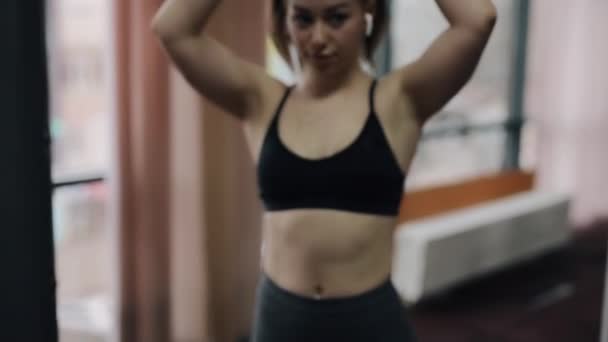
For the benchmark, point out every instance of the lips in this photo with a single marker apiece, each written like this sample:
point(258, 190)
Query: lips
point(323, 58)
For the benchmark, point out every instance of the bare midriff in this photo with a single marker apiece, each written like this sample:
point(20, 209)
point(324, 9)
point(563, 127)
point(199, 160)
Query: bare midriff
point(324, 253)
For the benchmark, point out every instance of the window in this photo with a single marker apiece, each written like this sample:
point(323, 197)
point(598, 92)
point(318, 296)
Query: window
point(78, 36)
point(470, 136)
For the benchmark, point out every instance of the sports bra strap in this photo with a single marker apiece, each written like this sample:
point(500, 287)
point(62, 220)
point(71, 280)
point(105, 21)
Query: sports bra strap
point(282, 103)
point(372, 92)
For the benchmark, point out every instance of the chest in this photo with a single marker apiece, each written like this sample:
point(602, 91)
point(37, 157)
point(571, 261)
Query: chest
point(319, 131)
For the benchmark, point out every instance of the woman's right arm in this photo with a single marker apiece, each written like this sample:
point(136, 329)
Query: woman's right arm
point(214, 71)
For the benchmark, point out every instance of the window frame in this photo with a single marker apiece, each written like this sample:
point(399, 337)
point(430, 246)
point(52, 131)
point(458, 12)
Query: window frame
point(515, 121)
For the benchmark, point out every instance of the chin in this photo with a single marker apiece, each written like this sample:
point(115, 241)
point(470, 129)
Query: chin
point(334, 68)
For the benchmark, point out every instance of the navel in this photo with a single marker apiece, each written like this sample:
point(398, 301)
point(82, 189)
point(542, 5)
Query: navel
point(318, 291)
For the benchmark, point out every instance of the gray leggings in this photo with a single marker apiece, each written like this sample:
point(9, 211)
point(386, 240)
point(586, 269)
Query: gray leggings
point(376, 315)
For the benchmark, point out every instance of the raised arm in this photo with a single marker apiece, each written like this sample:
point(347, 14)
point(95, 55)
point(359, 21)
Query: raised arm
point(447, 65)
point(211, 68)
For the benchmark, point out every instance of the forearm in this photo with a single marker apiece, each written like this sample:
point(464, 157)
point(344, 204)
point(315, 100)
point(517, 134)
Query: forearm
point(182, 18)
point(474, 14)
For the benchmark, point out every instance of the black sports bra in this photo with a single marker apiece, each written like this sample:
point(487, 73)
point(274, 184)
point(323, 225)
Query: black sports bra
point(365, 177)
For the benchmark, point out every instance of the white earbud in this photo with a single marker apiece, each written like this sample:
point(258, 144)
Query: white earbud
point(369, 24)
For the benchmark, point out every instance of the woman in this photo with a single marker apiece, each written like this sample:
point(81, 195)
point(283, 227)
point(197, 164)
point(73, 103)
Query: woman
point(332, 151)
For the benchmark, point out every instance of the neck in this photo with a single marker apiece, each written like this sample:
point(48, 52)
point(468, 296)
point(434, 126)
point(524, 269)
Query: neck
point(317, 83)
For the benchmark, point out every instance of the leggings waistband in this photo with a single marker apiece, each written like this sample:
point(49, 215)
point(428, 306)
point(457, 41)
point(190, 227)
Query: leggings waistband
point(382, 291)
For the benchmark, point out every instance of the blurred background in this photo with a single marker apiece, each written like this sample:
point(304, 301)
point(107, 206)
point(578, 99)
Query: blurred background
point(155, 208)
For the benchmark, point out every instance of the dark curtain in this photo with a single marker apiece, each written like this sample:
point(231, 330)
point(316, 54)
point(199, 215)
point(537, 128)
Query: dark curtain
point(27, 296)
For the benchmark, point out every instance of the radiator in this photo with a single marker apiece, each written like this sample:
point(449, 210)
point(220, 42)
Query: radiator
point(436, 253)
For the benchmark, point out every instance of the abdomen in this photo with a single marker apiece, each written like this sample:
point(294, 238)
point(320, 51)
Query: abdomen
point(345, 253)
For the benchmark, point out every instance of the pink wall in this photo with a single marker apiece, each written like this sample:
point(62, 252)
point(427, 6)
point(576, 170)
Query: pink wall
point(566, 98)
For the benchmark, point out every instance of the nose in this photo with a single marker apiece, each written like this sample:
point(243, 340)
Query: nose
point(319, 36)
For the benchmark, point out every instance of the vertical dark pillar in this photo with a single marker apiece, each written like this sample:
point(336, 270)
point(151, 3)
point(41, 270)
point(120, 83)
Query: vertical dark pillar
point(27, 276)
point(518, 83)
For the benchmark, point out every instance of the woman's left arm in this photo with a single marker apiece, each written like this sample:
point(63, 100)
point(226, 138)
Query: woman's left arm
point(447, 65)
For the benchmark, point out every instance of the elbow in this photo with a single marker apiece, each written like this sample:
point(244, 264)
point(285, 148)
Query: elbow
point(164, 29)
point(482, 22)
point(157, 27)
point(490, 16)
point(487, 19)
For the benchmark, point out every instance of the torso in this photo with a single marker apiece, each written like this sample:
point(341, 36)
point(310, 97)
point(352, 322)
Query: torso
point(324, 253)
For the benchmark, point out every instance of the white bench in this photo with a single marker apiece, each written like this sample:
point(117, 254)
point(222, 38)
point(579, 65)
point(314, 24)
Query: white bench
point(436, 253)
